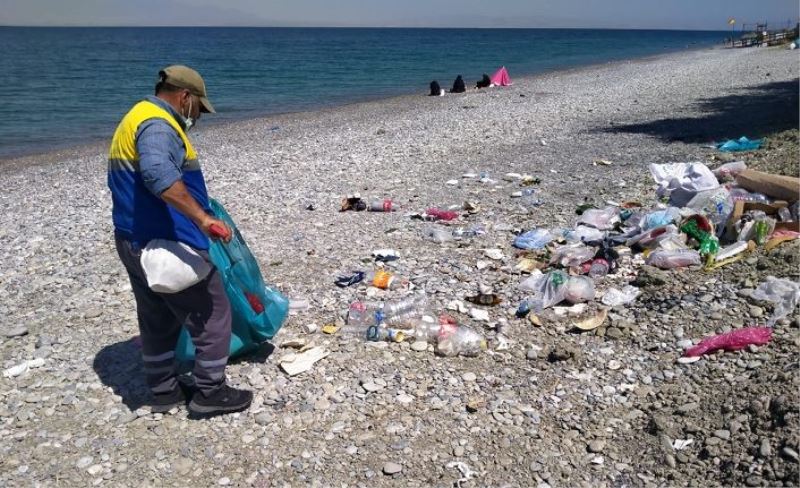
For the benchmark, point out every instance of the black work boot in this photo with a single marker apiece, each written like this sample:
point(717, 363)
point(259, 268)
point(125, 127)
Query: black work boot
point(224, 399)
point(164, 402)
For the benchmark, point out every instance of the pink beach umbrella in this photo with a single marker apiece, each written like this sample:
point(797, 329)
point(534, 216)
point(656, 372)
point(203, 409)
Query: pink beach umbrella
point(501, 78)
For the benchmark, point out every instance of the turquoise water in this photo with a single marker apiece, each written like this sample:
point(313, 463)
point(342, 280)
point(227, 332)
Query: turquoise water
point(62, 87)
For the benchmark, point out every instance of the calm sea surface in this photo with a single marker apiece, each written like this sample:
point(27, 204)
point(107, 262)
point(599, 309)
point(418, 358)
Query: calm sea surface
point(61, 87)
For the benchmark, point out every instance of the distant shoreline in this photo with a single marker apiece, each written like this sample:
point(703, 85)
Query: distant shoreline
point(96, 144)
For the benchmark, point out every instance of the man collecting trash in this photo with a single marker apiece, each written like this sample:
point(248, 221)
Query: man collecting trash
point(162, 225)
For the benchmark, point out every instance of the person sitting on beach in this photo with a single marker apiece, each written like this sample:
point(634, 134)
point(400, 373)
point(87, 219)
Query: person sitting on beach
point(484, 82)
point(158, 192)
point(436, 90)
point(458, 85)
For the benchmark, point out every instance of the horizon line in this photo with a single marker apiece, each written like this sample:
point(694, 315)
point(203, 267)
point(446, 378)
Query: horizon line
point(236, 26)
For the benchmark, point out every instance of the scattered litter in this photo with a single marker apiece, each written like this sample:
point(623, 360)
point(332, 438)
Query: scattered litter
point(601, 162)
point(533, 239)
point(294, 364)
point(732, 341)
point(385, 255)
point(592, 322)
point(615, 297)
point(466, 473)
point(330, 329)
point(682, 181)
point(785, 294)
point(741, 144)
point(20, 368)
point(353, 202)
point(681, 444)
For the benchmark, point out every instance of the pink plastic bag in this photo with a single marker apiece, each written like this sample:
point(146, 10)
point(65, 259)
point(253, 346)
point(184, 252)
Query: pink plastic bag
point(437, 214)
point(731, 341)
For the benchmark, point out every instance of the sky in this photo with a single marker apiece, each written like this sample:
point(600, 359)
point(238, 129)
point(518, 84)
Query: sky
point(633, 14)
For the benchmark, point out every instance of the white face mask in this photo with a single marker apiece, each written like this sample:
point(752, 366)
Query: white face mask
point(188, 120)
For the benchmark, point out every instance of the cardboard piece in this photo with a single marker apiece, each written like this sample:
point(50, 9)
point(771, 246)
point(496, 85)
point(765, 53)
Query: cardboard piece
point(775, 186)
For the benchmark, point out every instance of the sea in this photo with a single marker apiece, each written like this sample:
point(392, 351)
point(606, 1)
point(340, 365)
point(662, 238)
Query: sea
point(63, 87)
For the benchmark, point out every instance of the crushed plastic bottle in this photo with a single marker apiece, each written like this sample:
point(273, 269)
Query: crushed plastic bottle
point(454, 340)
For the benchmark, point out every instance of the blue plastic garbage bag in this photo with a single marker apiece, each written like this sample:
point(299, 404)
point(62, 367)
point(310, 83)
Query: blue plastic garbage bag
point(742, 144)
point(258, 311)
point(533, 239)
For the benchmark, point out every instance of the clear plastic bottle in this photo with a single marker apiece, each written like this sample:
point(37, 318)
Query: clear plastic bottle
point(404, 313)
point(427, 331)
point(460, 341)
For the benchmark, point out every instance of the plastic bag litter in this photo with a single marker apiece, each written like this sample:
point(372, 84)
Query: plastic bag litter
point(729, 170)
point(602, 219)
point(572, 255)
point(582, 233)
point(679, 258)
point(548, 290)
point(437, 234)
point(681, 181)
point(579, 289)
point(660, 218)
point(785, 294)
point(740, 144)
point(666, 237)
point(533, 239)
point(614, 297)
point(531, 283)
point(731, 341)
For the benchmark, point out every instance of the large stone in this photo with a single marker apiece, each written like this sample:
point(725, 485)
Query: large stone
point(391, 468)
point(650, 276)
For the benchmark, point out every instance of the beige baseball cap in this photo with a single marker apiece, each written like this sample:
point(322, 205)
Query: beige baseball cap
point(185, 77)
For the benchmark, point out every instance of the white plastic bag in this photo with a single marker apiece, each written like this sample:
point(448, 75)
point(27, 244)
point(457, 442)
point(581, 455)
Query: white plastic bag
point(579, 289)
point(172, 266)
point(600, 219)
point(785, 294)
point(614, 296)
point(682, 181)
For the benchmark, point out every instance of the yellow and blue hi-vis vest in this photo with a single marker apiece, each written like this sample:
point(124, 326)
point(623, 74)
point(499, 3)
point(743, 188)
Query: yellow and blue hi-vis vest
point(138, 214)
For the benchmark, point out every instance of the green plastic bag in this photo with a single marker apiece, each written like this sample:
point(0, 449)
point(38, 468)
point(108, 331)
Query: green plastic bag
point(258, 311)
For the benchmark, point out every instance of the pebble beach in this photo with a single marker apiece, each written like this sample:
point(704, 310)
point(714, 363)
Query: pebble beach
point(543, 406)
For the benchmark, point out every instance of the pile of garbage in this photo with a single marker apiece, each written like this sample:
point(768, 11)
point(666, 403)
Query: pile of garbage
point(704, 218)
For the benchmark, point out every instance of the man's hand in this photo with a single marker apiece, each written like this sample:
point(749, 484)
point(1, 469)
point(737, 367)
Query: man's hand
point(214, 227)
point(179, 197)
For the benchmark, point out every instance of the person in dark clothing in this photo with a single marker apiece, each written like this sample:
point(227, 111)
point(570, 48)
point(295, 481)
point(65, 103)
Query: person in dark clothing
point(458, 85)
point(436, 90)
point(485, 82)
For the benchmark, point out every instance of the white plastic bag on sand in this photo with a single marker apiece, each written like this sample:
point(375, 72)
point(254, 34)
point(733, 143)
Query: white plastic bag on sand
point(600, 219)
point(785, 294)
point(681, 181)
point(583, 233)
point(615, 297)
point(172, 266)
point(579, 289)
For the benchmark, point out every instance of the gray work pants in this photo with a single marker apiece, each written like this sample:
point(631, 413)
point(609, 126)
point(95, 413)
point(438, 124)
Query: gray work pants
point(203, 308)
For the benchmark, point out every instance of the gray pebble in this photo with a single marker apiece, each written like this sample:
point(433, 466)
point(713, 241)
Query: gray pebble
point(391, 468)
